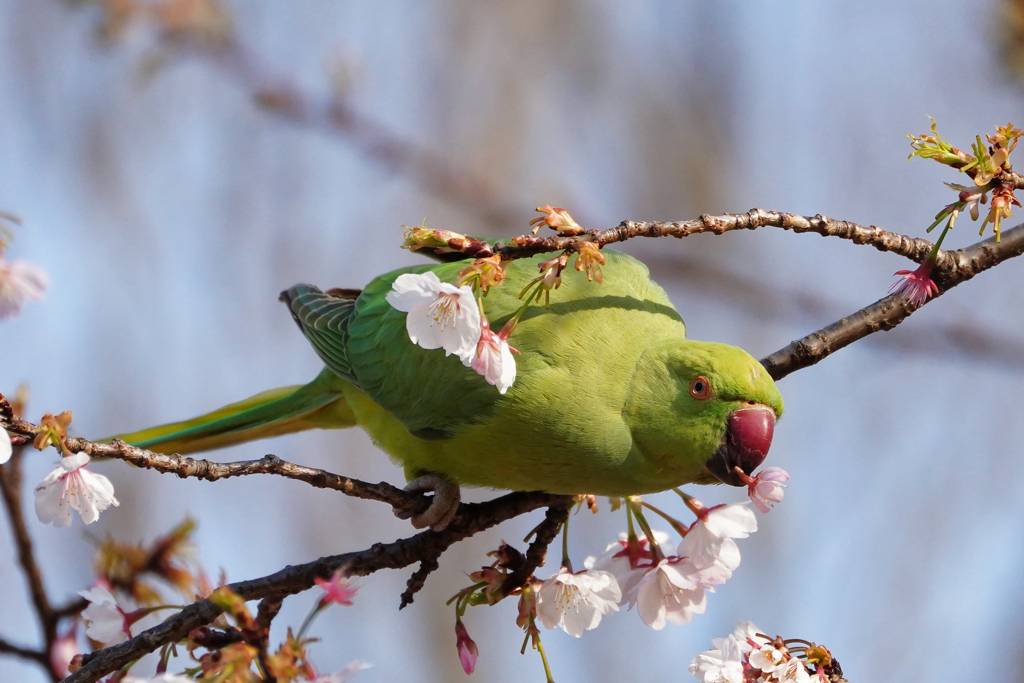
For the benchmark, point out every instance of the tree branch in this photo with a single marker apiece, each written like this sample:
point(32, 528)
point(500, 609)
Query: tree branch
point(952, 269)
point(883, 240)
point(36, 656)
point(471, 519)
point(10, 491)
point(208, 470)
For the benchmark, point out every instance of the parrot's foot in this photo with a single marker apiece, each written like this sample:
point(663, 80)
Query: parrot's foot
point(443, 505)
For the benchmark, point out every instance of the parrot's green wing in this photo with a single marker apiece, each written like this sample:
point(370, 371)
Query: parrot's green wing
point(434, 395)
point(323, 317)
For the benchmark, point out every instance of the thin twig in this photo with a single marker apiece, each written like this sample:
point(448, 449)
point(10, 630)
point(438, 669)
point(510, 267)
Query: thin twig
point(544, 534)
point(471, 519)
point(416, 581)
point(10, 491)
point(208, 470)
point(528, 245)
point(37, 656)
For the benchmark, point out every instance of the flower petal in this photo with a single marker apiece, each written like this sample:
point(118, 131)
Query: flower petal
point(5, 446)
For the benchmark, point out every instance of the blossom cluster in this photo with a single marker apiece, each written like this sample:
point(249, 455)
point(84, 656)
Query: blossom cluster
point(989, 168)
point(443, 315)
point(633, 572)
point(748, 656)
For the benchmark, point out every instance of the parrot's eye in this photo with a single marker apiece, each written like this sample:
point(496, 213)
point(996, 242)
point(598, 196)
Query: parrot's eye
point(700, 388)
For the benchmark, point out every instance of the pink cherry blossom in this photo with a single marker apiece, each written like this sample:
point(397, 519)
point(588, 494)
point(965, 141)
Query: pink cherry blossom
point(493, 358)
point(915, 286)
point(20, 280)
point(440, 315)
point(339, 589)
point(63, 650)
point(466, 647)
point(766, 488)
point(577, 602)
point(72, 486)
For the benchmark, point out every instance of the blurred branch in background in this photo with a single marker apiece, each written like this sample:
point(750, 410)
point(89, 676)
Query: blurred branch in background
point(202, 29)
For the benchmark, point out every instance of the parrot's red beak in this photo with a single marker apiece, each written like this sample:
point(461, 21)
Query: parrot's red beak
point(748, 436)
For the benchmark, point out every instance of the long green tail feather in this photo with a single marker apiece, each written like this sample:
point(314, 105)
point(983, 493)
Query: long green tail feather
point(317, 405)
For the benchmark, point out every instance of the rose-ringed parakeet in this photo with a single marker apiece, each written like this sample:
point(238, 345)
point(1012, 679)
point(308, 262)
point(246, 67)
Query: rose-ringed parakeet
point(609, 396)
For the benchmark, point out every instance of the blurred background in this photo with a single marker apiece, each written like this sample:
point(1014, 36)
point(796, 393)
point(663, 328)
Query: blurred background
point(175, 169)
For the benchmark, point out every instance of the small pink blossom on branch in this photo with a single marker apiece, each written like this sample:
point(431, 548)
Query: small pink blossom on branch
point(493, 357)
point(916, 286)
point(466, 647)
point(338, 590)
point(766, 488)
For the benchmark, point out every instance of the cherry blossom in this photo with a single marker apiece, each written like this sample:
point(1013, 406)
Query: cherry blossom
point(768, 659)
point(704, 541)
point(71, 486)
point(64, 649)
point(20, 280)
point(5, 446)
point(915, 286)
point(668, 591)
point(577, 602)
point(616, 558)
point(440, 315)
point(339, 589)
point(766, 488)
point(724, 664)
point(105, 622)
point(493, 357)
point(466, 647)
point(160, 678)
point(720, 664)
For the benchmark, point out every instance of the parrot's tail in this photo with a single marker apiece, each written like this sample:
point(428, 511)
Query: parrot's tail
point(317, 405)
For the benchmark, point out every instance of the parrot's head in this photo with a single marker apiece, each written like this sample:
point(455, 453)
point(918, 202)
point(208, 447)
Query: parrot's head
point(699, 410)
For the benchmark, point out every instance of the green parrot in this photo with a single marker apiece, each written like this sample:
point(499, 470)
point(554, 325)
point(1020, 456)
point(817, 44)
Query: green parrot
point(609, 397)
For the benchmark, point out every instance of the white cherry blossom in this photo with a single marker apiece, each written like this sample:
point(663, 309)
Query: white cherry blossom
point(20, 280)
point(703, 543)
point(768, 659)
point(669, 591)
point(724, 664)
point(104, 620)
point(440, 315)
point(5, 446)
point(576, 602)
point(71, 486)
